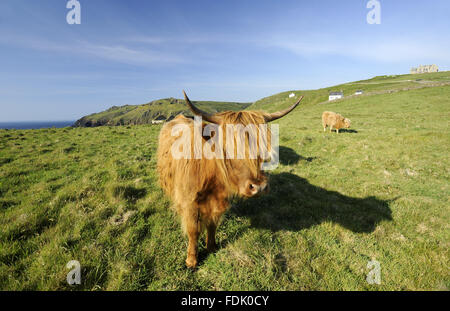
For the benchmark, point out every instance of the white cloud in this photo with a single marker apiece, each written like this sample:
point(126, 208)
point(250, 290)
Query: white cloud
point(124, 54)
point(389, 50)
point(383, 49)
point(159, 49)
point(117, 53)
point(202, 38)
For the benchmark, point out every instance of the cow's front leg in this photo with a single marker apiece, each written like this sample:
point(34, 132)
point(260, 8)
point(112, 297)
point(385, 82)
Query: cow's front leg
point(217, 205)
point(211, 245)
point(192, 230)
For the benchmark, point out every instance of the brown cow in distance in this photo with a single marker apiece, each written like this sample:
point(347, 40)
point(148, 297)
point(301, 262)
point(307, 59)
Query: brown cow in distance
point(200, 188)
point(334, 120)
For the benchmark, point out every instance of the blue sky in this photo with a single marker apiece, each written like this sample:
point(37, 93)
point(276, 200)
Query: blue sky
point(132, 52)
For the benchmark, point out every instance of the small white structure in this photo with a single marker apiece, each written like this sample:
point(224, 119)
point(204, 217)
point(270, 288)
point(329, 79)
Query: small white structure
point(159, 120)
point(358, 92)
point(291, 95)
point(335, 95)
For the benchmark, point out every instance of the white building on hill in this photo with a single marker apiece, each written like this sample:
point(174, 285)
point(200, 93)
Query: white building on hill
point(159, 120)
point(291, 95)
point(335, 95)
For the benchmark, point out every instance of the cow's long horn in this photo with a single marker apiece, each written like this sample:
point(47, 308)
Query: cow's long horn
point(279, 114)
point(206, 116)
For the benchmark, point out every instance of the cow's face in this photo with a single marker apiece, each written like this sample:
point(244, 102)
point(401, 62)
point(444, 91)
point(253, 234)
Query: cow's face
point(250, 182)
point(254, 187)
point(347, 123)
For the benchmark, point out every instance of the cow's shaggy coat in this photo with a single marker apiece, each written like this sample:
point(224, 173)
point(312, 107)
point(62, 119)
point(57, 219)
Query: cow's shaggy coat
point(200, 189)
point(334, 121)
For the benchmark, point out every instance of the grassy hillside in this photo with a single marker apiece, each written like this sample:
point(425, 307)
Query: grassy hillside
point(337, 201)
point(374, 86)
point(144, 114)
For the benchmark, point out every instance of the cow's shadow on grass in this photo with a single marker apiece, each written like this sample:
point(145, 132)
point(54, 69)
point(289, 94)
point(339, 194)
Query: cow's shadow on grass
point(349, 131)
point(294, 204)
point(288, 156)
point(345, 131)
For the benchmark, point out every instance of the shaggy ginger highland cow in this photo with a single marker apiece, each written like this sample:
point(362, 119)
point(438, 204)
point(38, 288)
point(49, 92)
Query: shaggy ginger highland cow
point(200, 188)
point(334, 120)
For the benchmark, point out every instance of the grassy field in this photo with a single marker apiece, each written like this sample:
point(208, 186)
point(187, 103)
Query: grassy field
point(337, 201)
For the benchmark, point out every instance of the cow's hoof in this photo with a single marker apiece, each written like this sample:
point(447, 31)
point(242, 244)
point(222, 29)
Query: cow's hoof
point(191, 262)
point(212, 248)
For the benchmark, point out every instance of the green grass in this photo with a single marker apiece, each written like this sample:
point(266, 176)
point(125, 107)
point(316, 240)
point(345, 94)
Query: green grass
point(380, 191)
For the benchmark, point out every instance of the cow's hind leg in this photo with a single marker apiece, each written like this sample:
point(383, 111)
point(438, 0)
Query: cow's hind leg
point(211, 245)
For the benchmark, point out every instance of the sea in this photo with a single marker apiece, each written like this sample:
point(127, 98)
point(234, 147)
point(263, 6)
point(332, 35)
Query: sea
point(26, 125)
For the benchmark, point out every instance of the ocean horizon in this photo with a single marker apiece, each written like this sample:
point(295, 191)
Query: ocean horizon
point(34, 125)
